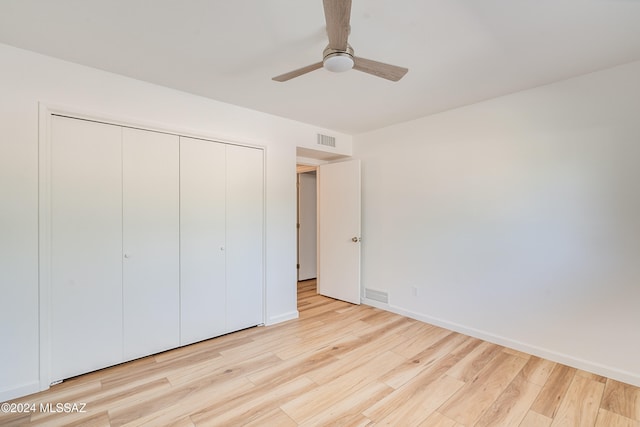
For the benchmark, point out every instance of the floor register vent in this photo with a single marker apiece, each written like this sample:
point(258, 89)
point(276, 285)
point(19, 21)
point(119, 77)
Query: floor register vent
point(374, 295)
point(329, 141)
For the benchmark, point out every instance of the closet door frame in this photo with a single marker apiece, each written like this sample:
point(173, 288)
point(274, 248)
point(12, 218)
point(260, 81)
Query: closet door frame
point(45, 112)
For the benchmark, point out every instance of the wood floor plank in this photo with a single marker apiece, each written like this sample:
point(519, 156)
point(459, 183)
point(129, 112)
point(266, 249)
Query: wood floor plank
point(171, 407)
point(16, 419)
point(591, 376)
point(298, 366)
point(352, 360)
point(436, 419)
point(611, 419)
point(413, 389)
point(537, 370)
point(512, 405)
point(319, 338)
point(73, 391)
point(408, 370)
point(469, 367)
point(534, 419)
point(426, 399)
point(275, 417)
point(273, 341)
point(387, 325)
point(103, 374)
point(368, 344)
point(253, 404)
point(553, 391)
point(103, 401)
point(475, 397)
point(416, 328)
point(202, 350)
point(580, 404)
point(517, 353)
point(417, 342)
point(622, 399)
point(378, 316)
point(135, 377)
point(180, 400)
point(339, 364)
point(305, 407)
point(322, 309)
point(100, 419)
point(183, 422)
point(161, 418)
point(196, 371)
point(348, 411)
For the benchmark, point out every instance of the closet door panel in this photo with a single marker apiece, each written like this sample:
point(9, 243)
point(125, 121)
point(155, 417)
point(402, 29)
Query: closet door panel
point(245, 192)
point(202, 240)
point(151, 266)
point(86, 246)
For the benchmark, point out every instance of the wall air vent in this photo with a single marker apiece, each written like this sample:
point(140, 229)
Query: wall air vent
point(374, 295)
point(327, 140)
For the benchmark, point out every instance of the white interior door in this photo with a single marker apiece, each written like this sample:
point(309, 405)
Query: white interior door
point(151, 239)
point(244, 247)
point(86, 246)
point(203, 292)
point(339, 230)
point(307, 226)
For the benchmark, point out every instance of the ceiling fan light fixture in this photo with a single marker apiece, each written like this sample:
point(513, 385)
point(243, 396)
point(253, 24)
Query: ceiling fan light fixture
point(338, 56)
point(338, 62)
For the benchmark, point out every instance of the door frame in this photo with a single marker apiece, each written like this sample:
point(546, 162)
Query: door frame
point(314, 164)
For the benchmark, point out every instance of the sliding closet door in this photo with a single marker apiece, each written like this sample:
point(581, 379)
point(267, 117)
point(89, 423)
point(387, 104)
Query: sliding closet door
point(86, 246)
point(202, 240)
point(151, 233)
point(245, 176)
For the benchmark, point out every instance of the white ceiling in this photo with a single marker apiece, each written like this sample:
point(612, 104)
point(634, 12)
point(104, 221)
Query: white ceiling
point(457, 51)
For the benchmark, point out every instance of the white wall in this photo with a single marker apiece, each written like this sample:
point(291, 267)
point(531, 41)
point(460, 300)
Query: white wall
point(25, 80)
point(517, 220)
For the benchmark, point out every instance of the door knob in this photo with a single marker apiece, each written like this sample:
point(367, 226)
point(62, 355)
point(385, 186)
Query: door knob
point(355, 239)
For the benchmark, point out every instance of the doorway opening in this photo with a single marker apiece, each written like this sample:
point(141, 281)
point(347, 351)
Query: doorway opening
point(337, 229)
point(307, 211)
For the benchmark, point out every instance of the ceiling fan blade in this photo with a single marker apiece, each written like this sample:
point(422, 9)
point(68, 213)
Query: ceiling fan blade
point(295, 73)
point(380, 69)
point(337, 14)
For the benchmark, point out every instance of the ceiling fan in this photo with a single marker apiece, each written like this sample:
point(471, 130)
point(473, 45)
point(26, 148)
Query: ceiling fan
point(338, 56)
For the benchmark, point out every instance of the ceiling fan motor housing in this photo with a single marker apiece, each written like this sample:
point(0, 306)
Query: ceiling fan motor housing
point(338, 61)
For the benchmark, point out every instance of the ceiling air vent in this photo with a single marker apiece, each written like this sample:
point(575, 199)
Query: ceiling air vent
point(327, 140)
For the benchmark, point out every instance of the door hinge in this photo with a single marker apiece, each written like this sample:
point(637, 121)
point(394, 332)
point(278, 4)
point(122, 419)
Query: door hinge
point(298, 266)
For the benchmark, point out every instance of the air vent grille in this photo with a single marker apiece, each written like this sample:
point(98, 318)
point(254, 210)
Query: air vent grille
point(327, 140)
point(374, 295)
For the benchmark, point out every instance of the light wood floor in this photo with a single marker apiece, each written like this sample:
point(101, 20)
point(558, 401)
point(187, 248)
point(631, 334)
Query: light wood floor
point(340, 364)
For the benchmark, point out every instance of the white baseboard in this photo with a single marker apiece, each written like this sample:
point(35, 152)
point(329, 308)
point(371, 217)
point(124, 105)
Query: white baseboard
point(380, 305)
point(282, 318)
point(554, 356)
